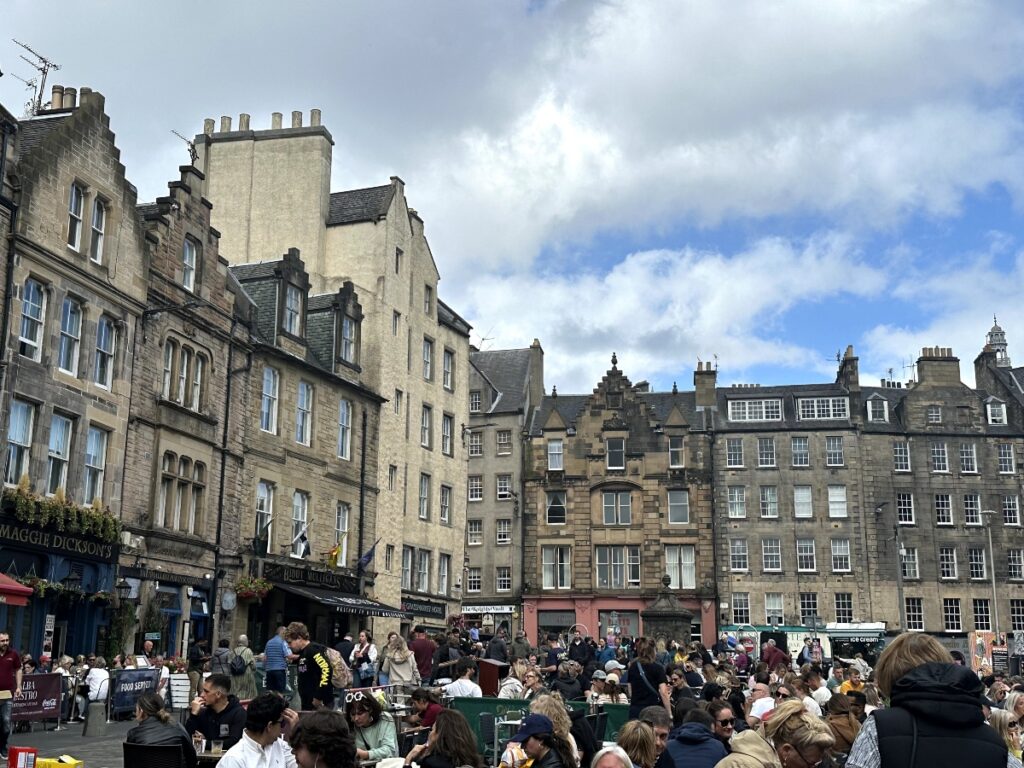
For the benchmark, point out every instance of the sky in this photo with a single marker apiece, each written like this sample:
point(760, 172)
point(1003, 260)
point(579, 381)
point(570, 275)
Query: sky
point(754, 183)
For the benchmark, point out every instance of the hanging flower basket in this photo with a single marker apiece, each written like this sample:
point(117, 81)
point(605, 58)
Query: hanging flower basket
point(252, 588)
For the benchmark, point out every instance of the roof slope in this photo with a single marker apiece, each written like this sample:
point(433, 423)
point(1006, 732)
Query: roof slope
point(507, 370)
point(32, 132)
point(354, 205)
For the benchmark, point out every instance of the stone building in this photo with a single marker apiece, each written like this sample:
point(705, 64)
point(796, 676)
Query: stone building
point(75, 291)
point(189, 404)
point(271, 192)
point(505, 387)
point(309, 494)
point(618, 493)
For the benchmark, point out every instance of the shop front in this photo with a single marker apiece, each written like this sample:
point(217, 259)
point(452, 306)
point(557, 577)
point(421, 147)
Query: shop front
point(175, 610)
point(789, 638)
point(326, 601)
point(865, 638)
point(69, 572)
point(490, 618)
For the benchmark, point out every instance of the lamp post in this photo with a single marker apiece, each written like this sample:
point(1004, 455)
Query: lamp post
point(901, 605)
point(989, 515)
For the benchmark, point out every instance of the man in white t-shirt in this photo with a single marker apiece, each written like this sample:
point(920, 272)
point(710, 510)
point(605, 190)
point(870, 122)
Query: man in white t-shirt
point(165, 675)
point(465, 670)
point(761, 702)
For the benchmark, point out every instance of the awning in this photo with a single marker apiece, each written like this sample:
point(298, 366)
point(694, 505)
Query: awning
point(13, 593)
point(343, 603)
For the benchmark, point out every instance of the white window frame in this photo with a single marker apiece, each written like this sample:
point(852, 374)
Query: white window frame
point(475, 488)
point(264, 509)
point(766, 452)
point(448, 370)
point(843, 604)
point(617, 508)
point(447, 427)
point(933, 414)
point(76, 210)
point(940, 457)
point(803, 502)
point(755, 410)
point(905, 514)
point(952, 618)
point(837, 502)
point(972, 508)
point(900, 456)
point(476, 443)
point(555, 457)
point(556, 566)
point(835, 456)
point(911, 567)
point(423, 568)
point(426, 426)
point(444, 569)
point(678, 507)
point(737, 502)
point(348, 339)
point(769, 502)
point(676, 452)
point(771, 554)
point(841, 555)
point(774, 607)
point(20, 428)
point(292, 310)
point(996, 413)
point(445, 505)
point(620, 564)
point(503, 531)
point(806, 561)
point(968, 459)
point(740, 607)
point(1015, 564)
point(428, 360)
point(681, 566)
point(474, 579)
point(99, 223)
point(943, 505)
point(342, 516)
point(503, 442)
point(611, 451)
point(475, 401)
point(914, 611)
point(304, 413)
point(803, 452)
point(734, 452)
point(947, 561)
point(1007, 458)
point(977, 557)
point(873, 414)
point(95, 463)
point(503, 579)
point(474, 533)
point(70, 336)
point(503, 487)
point(424, 497)
point(189, 259)
point(33, 317)
point(269, 399)
point(556, 500)
point(300, 521)
point(1011, 509)
point(823, 408)
point(344, 429)
point(739, 556)
point(59, 454)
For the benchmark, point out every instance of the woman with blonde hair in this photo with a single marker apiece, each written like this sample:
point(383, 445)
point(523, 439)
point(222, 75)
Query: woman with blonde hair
point(399, 664)
point(1007, 726)
point(612, 757)
point(792, 739)
point(512, 686)
point(934, 715)
point(552, 706)
point(639, 742)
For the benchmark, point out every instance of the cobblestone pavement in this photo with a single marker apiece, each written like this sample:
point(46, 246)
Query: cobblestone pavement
point(94, 751)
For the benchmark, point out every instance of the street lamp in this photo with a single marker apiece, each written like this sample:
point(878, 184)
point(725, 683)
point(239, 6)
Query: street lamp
point(989, 516)
point(71, 582)
point(900, 552)
point(123, 589)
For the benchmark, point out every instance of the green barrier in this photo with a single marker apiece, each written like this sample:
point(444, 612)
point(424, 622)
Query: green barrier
point(618, 714)
point(503, 709)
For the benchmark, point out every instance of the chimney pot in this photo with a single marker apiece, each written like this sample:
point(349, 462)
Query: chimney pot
point(314, 117)
point(57, 97)
point(70, 98)
point(243, 122)
point(208, 125)
point(275, 120)
point(296, 119)
point(225, 124)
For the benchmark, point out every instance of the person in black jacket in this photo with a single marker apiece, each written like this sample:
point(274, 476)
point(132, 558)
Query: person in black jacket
point(156, 728)
point(935, 716)
point(451, 744)
point(537, 737)
point(314, 670)
point(215, 713)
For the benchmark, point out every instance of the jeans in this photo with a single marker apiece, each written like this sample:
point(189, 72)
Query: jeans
point(276, 680)
point(6, 707)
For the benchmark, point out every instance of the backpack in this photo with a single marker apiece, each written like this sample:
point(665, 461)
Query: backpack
point(237, 665)
point(341, 675)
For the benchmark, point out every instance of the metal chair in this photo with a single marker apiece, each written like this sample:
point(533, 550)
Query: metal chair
point(600, 724)
point(163, 756)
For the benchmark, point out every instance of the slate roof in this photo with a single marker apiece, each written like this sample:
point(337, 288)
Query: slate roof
point(32, 132)
point(147, 209)
point(257, 271)
point(507, 370)
point(449, 317)
point(354, 205)
point(320, 302)
point(568, 407)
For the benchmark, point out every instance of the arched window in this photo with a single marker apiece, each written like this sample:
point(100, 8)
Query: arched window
point(170, 358)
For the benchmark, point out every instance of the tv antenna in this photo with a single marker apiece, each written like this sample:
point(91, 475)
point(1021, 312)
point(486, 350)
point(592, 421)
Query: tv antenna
point(42, 65)
point(192, 151)
point(30, 85)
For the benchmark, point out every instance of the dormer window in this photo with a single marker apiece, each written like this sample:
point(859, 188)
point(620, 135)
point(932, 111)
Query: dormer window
point(348, 339)
point(934, 414)
point(189, 260)
point(878, 409)
point(293, 310)
point(616, 452)
point(996, 413)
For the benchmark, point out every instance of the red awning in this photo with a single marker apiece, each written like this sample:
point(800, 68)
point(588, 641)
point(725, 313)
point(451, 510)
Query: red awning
point(13, 593)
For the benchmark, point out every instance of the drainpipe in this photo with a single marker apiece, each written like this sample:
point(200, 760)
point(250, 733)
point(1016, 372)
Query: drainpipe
point(362, 502)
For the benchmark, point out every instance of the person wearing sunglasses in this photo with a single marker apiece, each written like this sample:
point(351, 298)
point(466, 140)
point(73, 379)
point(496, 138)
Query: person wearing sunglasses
point(724, 726)
point(372, 728)
point(262, 743)
point(792, 739)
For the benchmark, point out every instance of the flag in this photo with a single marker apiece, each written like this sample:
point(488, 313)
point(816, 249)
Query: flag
point(367, 557)
point(334, 553)
point(303, 543)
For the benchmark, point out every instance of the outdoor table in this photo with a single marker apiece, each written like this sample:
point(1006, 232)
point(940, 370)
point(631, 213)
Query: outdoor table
point(208, 758)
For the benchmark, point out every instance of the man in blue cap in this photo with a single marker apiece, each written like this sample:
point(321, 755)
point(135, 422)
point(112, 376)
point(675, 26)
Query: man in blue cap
point(537, 738)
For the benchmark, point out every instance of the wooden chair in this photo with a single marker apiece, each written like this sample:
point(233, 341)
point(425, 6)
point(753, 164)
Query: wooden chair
point(168, 756)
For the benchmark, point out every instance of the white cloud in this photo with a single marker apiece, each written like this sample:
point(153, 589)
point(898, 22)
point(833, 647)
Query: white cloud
point(662, 310)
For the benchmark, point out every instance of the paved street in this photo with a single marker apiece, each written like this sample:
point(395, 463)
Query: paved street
point(95, 752)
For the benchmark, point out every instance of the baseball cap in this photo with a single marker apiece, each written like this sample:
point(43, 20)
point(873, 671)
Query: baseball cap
point(599, 674)
point(612, 665)
point(612, 678)
point(533, 725)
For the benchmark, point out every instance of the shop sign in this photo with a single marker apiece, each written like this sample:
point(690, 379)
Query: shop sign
point(40, 698)
point(128, 685)
point(425, 608)
point(311, 578)
point(73, 545)
point(488, 608)
point(164, 577)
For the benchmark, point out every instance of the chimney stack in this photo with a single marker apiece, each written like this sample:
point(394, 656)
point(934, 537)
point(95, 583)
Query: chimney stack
point(937, 367)
point(704, 382)
point(225, 124)
point(243, 122)
point(208, 125)
point(314, 117)
point(275, 121)
point(296, 119)
point(70, 98)
point(57, 97)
